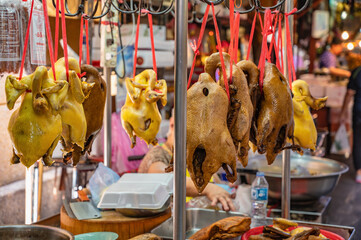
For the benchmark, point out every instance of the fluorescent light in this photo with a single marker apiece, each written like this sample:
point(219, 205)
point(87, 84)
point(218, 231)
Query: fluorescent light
point(350, 46)
point(345, 35)
point(343, 15)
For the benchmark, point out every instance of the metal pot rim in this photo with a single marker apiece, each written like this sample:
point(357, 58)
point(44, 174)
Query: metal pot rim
point(63, 231)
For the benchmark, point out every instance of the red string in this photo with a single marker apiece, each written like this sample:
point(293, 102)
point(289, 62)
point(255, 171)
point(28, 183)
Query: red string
point(231, 45)
point(290, 65)
point(264, 50)
point(273, 32)
point(236, 37)
point(63, 29)
point(26, 41)
point(81, 39)
point(87, 41)
point(251, 35)
point(150, 21)
point(48, 36)
point(56, 40)
point(279, 42)
point(220, 51)
point(195, 46)
point(136, 47)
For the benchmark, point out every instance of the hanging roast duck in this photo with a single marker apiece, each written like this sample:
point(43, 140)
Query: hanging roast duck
point(93, 109)
point(72, 111)
point(274, 117)
point(35, 127)
point(140, 115)
point(305, 133)
point(240, 110)
point(209, 142)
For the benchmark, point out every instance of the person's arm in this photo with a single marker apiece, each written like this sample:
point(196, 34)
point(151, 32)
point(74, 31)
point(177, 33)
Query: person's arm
point(213, 192)
point(339, 72)
point(346, 101)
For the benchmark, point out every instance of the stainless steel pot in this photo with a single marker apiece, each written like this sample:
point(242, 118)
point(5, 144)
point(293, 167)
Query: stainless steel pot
point(311, 177)
point(33, 232)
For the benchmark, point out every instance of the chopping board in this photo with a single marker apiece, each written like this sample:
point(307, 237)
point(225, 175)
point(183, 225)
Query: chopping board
point(112, 221)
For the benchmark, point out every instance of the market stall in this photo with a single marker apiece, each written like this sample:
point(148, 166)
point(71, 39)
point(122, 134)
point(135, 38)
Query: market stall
point(261, 105)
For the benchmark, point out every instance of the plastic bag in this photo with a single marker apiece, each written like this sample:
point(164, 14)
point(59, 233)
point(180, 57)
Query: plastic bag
point(243, 199)
point(101, 179)
point(341, 144)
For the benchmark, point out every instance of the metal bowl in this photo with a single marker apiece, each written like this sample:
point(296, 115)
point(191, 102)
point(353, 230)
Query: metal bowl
point(33, 232)
point(311, 177)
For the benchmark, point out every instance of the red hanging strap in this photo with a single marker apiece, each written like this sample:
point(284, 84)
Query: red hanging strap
point(231, 45)
point(136, 47)
point(264, 50)
point(81, 39)
point(251, 35)
point(56, 40)
point(48, 36)
point(87, 41)
point(279, 43)
point(150, 21)
point(220, 51)
point(236, 37)
point(195, 46)
point(290, 65)
point(26, 41)
point(65, 42)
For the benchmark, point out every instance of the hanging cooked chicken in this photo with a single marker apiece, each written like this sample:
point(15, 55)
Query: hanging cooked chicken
point(35, 127)
point(252, 74)
point(240, 110)
point(275, 114)
point(140, 114)
point(209, 142)
point(305, 133)
point(72, 111)
point(93, 109)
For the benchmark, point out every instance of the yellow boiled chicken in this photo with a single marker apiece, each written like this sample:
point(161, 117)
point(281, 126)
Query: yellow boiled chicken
point(34, 127)
point(140, 115)
point(305, 133)
point(72, 111)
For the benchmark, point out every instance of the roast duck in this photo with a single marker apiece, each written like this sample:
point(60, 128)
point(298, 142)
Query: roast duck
point(226, 228)
point(140, 114)
point(305, 133)
point(209, 142)
point(240, 110)
point(146, 236)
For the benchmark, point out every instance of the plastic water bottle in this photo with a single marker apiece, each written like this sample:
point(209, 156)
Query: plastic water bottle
point(259, 196)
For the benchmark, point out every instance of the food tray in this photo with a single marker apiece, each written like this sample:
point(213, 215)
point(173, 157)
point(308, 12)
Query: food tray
point(165, 179)
point(196, 219)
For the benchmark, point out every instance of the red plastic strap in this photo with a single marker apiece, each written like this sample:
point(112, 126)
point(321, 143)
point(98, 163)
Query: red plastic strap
point(150, 21)
point(236, 37)
point(220, 51)
point(87, 41)
point(291, 67)
point(56, 40)
point(26, 41)
point(81, 39)
point(231, 45)
point(251, 35)
point(264, 50)
point(273, 32)
point(63, 31)
point(80, 75)
point(279, 42)
point(48, 36)
point(195, 46)
point(136, 47)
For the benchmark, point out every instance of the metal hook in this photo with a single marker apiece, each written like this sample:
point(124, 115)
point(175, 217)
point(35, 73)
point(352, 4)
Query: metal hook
point(216, 2)
point(127, 8)
point(240, 11)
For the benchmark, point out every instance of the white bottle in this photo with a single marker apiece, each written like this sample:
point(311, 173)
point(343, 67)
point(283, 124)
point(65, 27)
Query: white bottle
point(259, 196)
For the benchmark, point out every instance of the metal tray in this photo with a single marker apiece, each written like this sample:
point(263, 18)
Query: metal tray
point(197, 218)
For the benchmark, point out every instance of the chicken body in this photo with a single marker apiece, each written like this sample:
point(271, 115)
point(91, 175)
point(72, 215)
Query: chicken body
point(275, 116)
point(240, 110)
point(140, 114)
point(305, 133)
point(209, 143)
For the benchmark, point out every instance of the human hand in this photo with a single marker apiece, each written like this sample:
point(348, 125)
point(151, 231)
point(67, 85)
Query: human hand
point(217, 194)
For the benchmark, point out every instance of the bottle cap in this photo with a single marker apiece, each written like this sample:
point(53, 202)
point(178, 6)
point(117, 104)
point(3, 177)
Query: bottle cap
point(260, 174)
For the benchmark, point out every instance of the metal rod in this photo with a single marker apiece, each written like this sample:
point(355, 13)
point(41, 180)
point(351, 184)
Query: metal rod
point(286, 155)
point(108, 121)
point(180, 76)
point(40, 188)
point(29, 185)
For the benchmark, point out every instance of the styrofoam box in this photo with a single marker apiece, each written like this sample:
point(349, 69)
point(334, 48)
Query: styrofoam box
point(165, 179)
point(134, 196)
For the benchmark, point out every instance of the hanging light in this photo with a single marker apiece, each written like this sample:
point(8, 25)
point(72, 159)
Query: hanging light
point(345, 35)
point(343, 15)
point(350, 46)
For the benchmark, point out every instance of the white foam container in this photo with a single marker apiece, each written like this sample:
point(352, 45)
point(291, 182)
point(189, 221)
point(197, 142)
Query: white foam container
point(165, 179)
point(132, 195)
